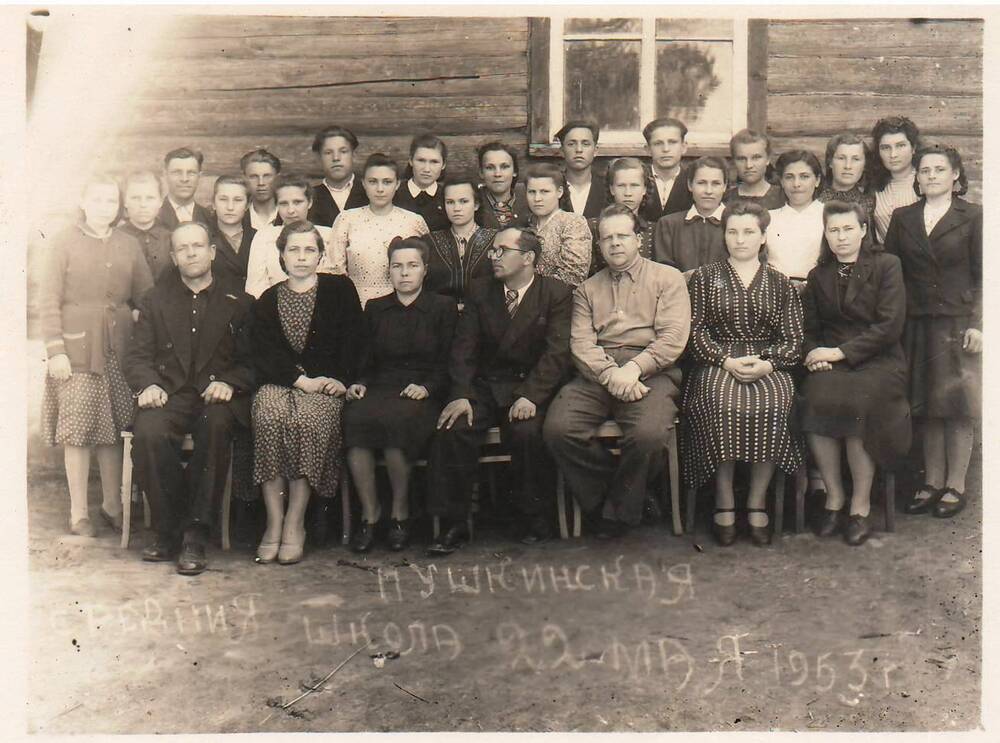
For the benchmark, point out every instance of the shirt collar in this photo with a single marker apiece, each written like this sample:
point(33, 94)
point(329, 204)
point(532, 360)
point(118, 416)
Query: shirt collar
point(715, 217)
point(422, 302)
point(632, 271)
point(657, 176)
point(346, 187)
point(415, 189)
point(523, 290)
point(233, 233)
point(177, 207)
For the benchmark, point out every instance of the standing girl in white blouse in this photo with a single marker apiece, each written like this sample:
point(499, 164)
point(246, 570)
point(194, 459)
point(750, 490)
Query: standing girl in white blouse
point(796, 231)
point(361, 236)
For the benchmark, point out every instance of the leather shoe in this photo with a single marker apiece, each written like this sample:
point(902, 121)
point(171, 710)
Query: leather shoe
point(858, 530)
point(364, 538)
point(115, 522)
point(192, 559)
point(267, 552)
point(725, 534)
point(922, 505)
point(290, 553)
point(399, 535)
point(759, 535)
point(83, 528)
point(455, 537)
point(161, 550)
point(946, 509)
point(829, 523)
point(536, 532)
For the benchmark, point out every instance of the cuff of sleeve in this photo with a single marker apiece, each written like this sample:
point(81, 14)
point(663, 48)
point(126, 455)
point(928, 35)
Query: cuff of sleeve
point(54, 348)
point(602, 378)
point(646, 363)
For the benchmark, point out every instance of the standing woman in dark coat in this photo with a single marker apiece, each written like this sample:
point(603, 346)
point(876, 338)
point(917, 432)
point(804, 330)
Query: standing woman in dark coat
point(395, 402)
point(854, 307)
point(306, 336)
point(939, 240)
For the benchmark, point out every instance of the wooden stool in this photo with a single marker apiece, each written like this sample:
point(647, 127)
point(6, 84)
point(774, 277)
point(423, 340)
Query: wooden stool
point(127, 490)
point(778, 488)
point(609, 430)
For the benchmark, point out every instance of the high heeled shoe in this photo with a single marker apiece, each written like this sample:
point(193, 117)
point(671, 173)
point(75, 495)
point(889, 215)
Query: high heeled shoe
point(923, 505)
point(267, 552)
point(290, 551)
point(945, 509)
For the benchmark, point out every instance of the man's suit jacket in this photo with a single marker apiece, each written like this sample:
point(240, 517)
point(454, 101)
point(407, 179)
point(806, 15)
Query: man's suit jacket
point(168, 217)
point(524, 356)
point(943, 272)
point(324, 209)
point(597, 199)
point(161, 352)
point(679, 199)
point(228, 263)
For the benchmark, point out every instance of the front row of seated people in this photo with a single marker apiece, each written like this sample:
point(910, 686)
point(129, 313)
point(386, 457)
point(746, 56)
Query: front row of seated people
point(316, 375)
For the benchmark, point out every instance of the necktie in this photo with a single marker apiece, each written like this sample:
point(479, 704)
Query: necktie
point(511, 302)
point(461, 247)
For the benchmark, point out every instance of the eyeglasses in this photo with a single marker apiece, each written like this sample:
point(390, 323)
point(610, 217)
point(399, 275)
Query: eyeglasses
point(493, 253)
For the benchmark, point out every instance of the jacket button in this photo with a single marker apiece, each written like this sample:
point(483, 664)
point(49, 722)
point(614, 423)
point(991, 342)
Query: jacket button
point(211, 377)
point(161, 367)
point(170, 345)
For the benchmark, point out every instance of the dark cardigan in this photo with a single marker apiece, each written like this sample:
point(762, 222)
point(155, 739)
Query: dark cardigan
point(334, 345)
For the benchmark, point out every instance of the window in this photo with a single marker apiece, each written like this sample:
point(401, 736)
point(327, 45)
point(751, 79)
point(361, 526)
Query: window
point(624, 72)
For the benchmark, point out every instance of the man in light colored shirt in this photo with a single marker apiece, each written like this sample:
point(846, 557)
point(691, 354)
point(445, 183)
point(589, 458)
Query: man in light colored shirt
point(182, 172)
point(261, 167)
point(631, 322)
point(585, 192)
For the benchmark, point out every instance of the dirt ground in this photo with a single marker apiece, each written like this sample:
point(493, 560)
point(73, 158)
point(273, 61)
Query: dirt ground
point(655, 633)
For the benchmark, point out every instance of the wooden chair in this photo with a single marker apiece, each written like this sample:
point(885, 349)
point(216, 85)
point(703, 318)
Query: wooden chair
point(777, 487)
point(127, 491)
point(609, 431)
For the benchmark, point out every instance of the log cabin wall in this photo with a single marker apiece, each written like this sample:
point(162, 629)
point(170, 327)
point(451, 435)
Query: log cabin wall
point(825, 76)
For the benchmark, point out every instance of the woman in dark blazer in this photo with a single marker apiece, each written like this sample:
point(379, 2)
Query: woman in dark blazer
point(395, 401)
point(307, 335)
point(231, 201)
point(939, 241)
point(854, 306)
point(458, 254)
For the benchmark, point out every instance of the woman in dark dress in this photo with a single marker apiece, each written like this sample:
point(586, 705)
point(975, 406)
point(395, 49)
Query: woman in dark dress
point(307, 335)
point(746, 334)
point(421, 191)
point(855, 393)
point(395, 401)
point(458, 254)
point(939, 241)
point(503, 202)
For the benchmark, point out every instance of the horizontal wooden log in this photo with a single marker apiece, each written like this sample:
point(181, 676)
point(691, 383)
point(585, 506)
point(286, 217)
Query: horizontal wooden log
point(343, 25)
point(225, 73)
point(819, 114)
point(860, 37)
point(902, 75)
point(299, 113)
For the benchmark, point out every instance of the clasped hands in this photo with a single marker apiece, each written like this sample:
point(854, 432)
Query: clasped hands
point(324, 385)
point(822, 359)
point(747, 369)
point(623, 382)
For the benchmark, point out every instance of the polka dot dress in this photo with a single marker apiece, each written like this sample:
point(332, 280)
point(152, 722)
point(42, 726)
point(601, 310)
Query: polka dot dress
point(87, 409)
point(297, 434)
point(726, 420)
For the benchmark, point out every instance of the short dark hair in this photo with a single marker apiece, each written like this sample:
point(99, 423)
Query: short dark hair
point(299, 227)
point(708, 161)
point(954, 159)
point(742, 207)
point(183, 153)
point(847, 138)
point(595, 130)
point(836, 206)
point(409, 243)
point(260, 155)
point(800, 156)
point(232, 180)
point(749, 136)
point(618, 210)
point(380, 160)
point(497, 146)
point(890, 125)
point(333, 131)
point(292, 180)
point(459, 180)
point(546, 170)
point(647, 131)
point(527, 239)
point(431, 142)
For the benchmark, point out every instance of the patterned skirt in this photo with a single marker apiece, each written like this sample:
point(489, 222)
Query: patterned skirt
point(87, 409)
point(298, 434)
point(725, 420)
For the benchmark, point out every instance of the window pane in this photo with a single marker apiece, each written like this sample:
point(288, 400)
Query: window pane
point(694, 28)
point(694, 82)
point(602, 82)
point(602, 25)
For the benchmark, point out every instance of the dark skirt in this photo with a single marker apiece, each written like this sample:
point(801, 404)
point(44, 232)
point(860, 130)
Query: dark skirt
point(87, 409)
point(384, 420)
point(869, 404)
point(945, 381)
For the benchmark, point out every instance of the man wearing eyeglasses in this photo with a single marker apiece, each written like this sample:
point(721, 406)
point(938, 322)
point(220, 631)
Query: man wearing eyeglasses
point(631, 322)
point(508, 358)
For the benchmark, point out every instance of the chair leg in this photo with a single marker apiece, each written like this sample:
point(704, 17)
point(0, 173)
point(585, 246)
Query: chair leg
point(779, 504)
point(675, 481)
point(561, 504)
point(689, 508)
point(147, 512)
point(436, 527)
point(227, 499)
point(801, 486)
point(492, 473)
point(126, 493)
point(470, 524)
point(890, 501)
point(345, 509)
point(577, 518)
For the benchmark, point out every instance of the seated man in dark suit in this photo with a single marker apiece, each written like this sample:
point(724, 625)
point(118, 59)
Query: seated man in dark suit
point(182, 171)
point(586, 192)
point(667, 190)
point(190, 366)
point(631, 322)
point(339, 190)
point(508, 358)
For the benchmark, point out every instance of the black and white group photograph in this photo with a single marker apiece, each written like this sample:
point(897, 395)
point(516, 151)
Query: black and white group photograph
point(498, 369)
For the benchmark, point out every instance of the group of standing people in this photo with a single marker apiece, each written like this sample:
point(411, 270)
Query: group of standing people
point(409, 312)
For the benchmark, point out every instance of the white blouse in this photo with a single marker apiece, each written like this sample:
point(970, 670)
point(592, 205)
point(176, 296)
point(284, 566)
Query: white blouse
point(794, 239)
point(359, 243)
point(263, 264)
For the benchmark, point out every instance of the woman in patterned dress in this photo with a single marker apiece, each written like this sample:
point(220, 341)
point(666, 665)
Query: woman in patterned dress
point(848, 161)
point(746, 333)
point(567, 242)
point(307, 335)
point(94, 273)
point(895, 139)
point(395, 401)
point(362, 235)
